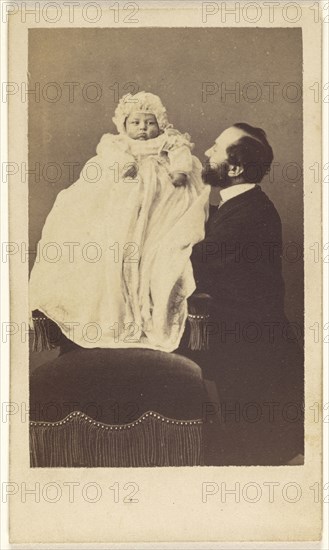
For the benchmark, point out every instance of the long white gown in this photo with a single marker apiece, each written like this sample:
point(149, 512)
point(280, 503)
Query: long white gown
point(122, 274)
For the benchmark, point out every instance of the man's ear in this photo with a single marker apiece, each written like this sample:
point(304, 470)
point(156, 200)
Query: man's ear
point(235, 171)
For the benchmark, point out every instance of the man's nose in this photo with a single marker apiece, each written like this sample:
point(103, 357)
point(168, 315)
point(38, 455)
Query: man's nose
point(208, 152)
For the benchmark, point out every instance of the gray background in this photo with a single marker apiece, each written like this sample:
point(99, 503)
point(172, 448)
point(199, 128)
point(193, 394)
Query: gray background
point(172, 63)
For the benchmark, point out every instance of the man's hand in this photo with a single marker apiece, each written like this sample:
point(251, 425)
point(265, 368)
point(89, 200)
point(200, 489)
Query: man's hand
point(131, 171)
point(179, 179)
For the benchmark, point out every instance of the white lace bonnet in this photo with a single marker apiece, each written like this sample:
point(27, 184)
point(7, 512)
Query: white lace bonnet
point(142, 102)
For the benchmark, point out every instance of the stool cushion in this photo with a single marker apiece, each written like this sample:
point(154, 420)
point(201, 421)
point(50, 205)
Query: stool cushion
point(117, 386)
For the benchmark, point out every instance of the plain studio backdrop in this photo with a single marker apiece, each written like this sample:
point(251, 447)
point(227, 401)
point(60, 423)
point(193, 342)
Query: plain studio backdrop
point(208, 79)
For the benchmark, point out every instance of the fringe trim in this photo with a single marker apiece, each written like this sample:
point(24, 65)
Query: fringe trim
point(199, 334)
point(41, 340)
point(152, 440)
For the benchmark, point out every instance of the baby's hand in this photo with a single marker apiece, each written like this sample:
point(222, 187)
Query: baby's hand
point(179, 179)
point(131, 171)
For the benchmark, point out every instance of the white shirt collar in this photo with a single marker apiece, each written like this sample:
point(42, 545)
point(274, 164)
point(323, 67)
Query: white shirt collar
point(231, 192)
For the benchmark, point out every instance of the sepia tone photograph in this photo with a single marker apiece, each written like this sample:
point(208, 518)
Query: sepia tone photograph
point(166, 230)
point(165, 257)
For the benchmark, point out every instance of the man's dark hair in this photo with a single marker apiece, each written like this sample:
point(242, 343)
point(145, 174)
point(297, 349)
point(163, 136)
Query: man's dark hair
point(252, 152)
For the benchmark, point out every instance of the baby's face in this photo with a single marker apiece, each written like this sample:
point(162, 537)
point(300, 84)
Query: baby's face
point(142, 126)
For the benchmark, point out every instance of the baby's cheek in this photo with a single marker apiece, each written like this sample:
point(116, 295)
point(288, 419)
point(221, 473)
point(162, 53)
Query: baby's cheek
point(154, 132)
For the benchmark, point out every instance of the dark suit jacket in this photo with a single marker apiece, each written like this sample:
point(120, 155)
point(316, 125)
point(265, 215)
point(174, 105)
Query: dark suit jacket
point(250, 356)
point(239, 261)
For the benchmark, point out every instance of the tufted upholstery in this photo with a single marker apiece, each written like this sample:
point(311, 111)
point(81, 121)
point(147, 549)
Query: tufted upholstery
point(117, 388)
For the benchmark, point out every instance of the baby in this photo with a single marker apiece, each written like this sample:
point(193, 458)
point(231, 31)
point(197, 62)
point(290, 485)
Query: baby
point(124, 274)
point(143, 126)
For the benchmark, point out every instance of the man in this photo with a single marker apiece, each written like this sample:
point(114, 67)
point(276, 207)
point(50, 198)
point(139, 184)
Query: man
point(238, 331)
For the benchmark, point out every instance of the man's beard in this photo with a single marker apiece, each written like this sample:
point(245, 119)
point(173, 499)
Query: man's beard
point(216, 175)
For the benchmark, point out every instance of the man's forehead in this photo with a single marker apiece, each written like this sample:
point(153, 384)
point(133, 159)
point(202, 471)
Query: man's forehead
point(230, 135)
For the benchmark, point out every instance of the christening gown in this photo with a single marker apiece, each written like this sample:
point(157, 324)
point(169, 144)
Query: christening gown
point(123, 274)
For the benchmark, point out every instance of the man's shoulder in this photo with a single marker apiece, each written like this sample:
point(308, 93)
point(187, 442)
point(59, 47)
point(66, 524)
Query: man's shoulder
point(255, 200)
point(247, 213)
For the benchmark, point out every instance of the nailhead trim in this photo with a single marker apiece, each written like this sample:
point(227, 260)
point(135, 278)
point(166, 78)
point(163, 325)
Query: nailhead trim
point(192, 316)
point(88, 420)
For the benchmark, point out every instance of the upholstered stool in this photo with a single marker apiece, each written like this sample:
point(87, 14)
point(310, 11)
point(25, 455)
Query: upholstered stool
point(118, 408)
